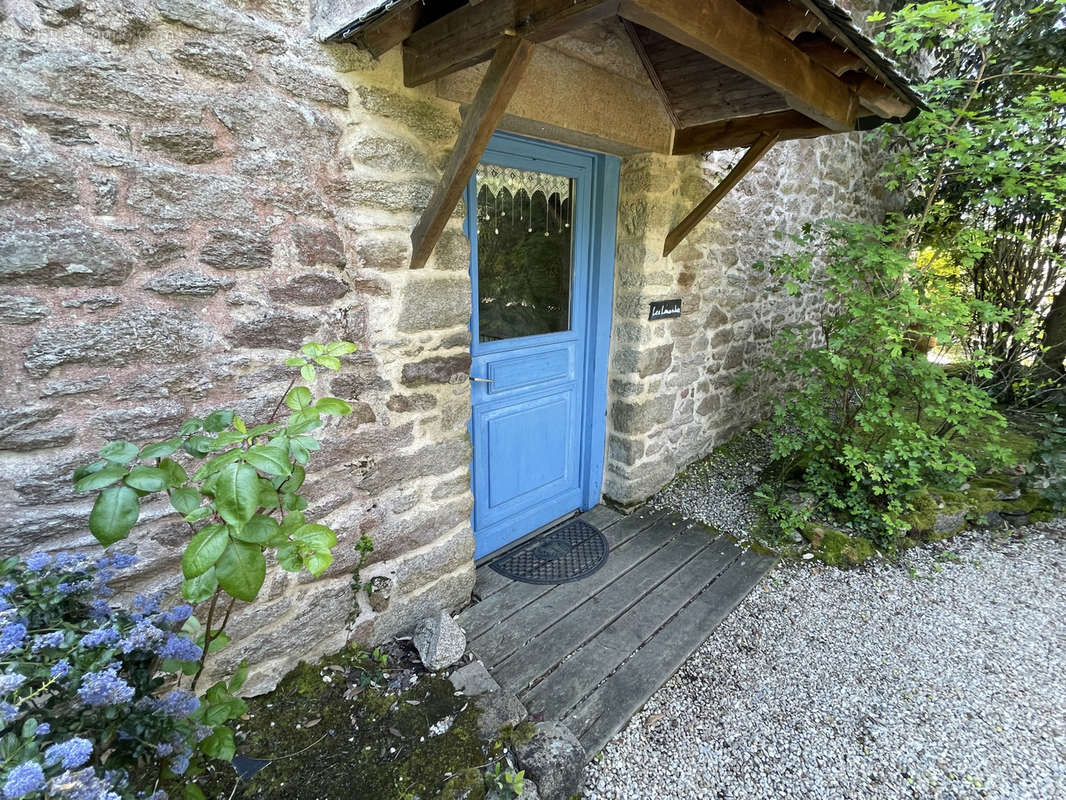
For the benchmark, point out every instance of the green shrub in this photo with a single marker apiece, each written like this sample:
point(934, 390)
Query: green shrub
point(866, 417)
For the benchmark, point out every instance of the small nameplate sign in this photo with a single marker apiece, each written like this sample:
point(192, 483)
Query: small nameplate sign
point(665, 309)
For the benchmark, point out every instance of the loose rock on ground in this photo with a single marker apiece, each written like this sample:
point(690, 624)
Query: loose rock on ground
point(943, 676)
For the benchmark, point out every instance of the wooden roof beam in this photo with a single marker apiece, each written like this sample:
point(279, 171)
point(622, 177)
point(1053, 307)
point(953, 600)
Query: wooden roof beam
point(470, 34)
point(508, 64)
point(755, 153)
point(834, 57)
point(744, 132)
point(877, 97)
point(786, 18)
point(729, 33)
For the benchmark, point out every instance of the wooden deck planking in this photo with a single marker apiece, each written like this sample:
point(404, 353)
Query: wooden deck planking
point(543, 652)
point(510, 599)
point(607, 709)
point(497, 642)
point(574, 678)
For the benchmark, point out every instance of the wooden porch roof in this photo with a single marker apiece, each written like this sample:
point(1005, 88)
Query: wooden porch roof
point(729, 73)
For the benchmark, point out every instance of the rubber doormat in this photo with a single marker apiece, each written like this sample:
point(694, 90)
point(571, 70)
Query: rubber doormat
point(568, 553)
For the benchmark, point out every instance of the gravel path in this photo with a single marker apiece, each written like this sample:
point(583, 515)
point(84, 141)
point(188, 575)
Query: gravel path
point(941, 677)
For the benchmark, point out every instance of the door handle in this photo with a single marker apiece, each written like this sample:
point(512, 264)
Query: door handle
point(481, 380)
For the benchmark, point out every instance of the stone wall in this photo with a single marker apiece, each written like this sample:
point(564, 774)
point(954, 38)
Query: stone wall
point(188, 188)
point(672, 390)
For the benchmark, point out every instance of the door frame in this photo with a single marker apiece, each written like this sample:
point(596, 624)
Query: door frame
point(603, 171)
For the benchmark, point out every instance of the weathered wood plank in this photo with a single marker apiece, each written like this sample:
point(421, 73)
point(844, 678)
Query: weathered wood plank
point(505, 71)
point(575, 678)
point(745, 132)
point(499, 641)
point(834, 57)
point(750, 159)
point(516, 595)
point(469, 34)
point(617, 600)
point(727, 32)
point(788, 19)
point(489, 581)
point(604, 712)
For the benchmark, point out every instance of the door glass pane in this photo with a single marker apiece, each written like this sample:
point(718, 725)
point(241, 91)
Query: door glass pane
point(523, 252)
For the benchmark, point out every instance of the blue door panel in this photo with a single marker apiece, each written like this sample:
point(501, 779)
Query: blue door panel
point(537, 424)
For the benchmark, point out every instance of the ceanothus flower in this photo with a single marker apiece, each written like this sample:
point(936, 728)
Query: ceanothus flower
point(26, 778)
point(8, 712)
point(179, 763)
point(49, 640)
point(174, 616)
point(99, 636)
point(180, 649)
point(100, 610)
point(105, 687)
point(146, 605)
point(43, 729)
point(59, 669)
point(71, 754)
point(10, 681)
point(12, 636)
point(179, 703)
point(6, 588)
point(143, 636)
point(38, 561)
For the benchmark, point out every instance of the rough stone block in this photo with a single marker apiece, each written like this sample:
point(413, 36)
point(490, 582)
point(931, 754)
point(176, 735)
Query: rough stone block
point(639, 418)
point(61, 128)
point(215, 60)
point(436, 369)
point(145, 333)
point(73, 255)
point(21, 310)
point(555, 759)
point(440, 642)
point(26, 429)
point(310, 289)
point(275, 329)
point(383, 251)
point(187, 283)
point(431, 303)
point(229, 248)
point(36, 176)
point(183, 143)
point(317, 245)
point(142, 423)
point(423, 118)
point(174, 194)
point(296, 77)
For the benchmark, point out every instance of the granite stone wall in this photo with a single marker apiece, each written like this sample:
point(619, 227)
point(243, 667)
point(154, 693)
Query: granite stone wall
point(189, 188)
point(672, 390)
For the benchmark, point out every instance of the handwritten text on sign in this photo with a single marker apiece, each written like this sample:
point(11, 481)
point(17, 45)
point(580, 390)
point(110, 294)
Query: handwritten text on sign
point(665, 309)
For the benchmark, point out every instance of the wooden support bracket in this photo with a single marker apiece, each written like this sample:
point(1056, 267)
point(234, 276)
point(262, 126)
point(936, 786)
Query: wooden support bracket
point(509, 62)
point(750, 159)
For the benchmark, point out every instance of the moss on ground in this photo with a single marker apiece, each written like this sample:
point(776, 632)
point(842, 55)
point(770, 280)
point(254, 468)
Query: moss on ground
point(326, 738)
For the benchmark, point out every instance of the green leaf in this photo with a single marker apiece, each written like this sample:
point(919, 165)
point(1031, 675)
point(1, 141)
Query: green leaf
point(334, 406)
point(307, 372)
point(237, 493)
point(318, 537)
point(260, 529)
point(199, 514)
point(219, 744)
point(198, 589)
point(185, 500)
point(241, 570)
point(218, 421)
point(101, 478)
point(114, 514)
point(295, 361)
point(239, 425)
point(198, 445)
point(313, 349)
point(341, 348)
point(239, 676)
point(295, 480)
point(119, 452)
point(297, 398)
point(292, 522)
point(175, 472)
point(159, 450)
point(89, 469)
point(329, 362)
point(204, 550)
point(293, 502)
point(147, 479)
point(217, 463)
point(269, 459)
point(289, 558)
point(317, 562)
point(190, 426)
point(193, 792)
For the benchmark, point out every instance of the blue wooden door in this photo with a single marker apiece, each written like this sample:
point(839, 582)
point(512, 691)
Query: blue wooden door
point(540, 219)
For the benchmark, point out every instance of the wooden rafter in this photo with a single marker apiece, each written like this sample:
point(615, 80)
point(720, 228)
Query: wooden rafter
point(744, 132)
point(508, 63)
point(788, 19)
point(649, 68)
point(830, 55)
point(877, 97)
point(729, 33)
point(749, 160)
point(381, 36)
point(470, 34)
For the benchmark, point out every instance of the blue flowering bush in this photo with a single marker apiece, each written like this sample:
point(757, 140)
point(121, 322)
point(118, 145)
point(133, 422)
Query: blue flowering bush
point(92, 704)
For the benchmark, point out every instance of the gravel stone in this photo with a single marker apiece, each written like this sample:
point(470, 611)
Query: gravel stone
point(941, 676)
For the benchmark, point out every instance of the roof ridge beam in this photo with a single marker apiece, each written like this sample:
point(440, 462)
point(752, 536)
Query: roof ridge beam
point(729, 33)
